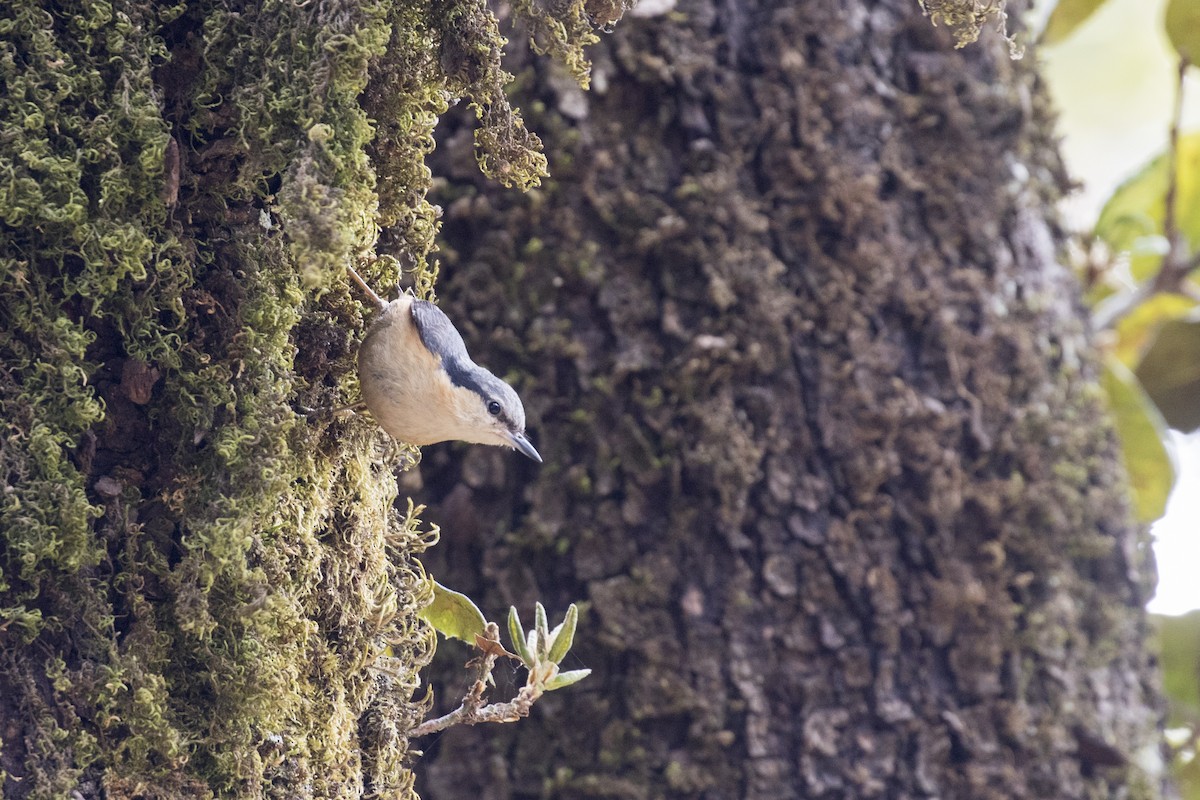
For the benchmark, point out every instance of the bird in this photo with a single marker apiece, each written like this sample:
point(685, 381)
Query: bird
point(422, 387)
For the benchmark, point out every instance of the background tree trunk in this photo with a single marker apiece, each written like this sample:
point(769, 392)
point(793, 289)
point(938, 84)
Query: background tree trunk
point(825, 453)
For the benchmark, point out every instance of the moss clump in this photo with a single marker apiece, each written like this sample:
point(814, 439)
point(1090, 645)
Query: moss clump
point(966, 18)
point(563, 30)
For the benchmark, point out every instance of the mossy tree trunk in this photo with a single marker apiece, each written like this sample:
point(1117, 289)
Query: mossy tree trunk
point(825, 453)
point(204, 592)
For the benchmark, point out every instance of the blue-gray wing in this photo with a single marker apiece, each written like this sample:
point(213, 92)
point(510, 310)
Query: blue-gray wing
point(438, 334)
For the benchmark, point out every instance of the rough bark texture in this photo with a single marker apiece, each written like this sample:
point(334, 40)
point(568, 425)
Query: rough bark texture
point(825, 453)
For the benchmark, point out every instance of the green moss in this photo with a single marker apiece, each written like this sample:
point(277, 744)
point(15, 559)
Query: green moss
point(220, 590)
point(966, 18)
point(563, 31)
point(73, 233)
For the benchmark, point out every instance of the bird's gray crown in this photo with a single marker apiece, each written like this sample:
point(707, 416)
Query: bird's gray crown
point(441, 338)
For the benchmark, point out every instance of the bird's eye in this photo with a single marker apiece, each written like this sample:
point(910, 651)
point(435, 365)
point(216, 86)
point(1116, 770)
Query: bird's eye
point(493, 408)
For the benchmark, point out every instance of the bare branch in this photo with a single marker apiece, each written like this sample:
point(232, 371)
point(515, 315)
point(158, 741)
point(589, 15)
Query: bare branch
point(472, 710)
point(379, 301)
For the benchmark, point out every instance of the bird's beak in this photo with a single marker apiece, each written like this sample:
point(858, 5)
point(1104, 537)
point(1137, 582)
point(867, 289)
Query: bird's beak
point(522, 445)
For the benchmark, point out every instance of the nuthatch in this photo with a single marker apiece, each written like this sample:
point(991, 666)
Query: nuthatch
point(422, 387)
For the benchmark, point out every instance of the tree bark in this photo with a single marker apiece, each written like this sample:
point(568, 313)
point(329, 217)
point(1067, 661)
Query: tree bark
point(825, 453)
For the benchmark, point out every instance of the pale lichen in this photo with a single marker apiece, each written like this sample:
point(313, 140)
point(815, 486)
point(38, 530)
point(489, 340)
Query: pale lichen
point(966, 19)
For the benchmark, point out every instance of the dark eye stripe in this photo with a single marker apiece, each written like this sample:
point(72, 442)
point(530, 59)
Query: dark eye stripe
point(463, 375)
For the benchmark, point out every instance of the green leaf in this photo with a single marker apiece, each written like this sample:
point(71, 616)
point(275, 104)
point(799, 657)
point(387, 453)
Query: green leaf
point(564, 679)
point(1132, 219)
point(1182, 22)
point(1141, 431)
point(542, 626)
point(1187, 777)
point(1170, 373)
point(1179, 656)
point(1066, 17)
point(517, 634)
point(454, 614)
point(1136, 331)
point(563, 636)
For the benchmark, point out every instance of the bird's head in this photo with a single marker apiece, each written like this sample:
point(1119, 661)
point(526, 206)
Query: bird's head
point(487, 410)
point(425, 389)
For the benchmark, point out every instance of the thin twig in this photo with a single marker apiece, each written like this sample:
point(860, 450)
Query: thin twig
point(1112, 309)
point(379, 301)
point(513, 710)
point(472, 709)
